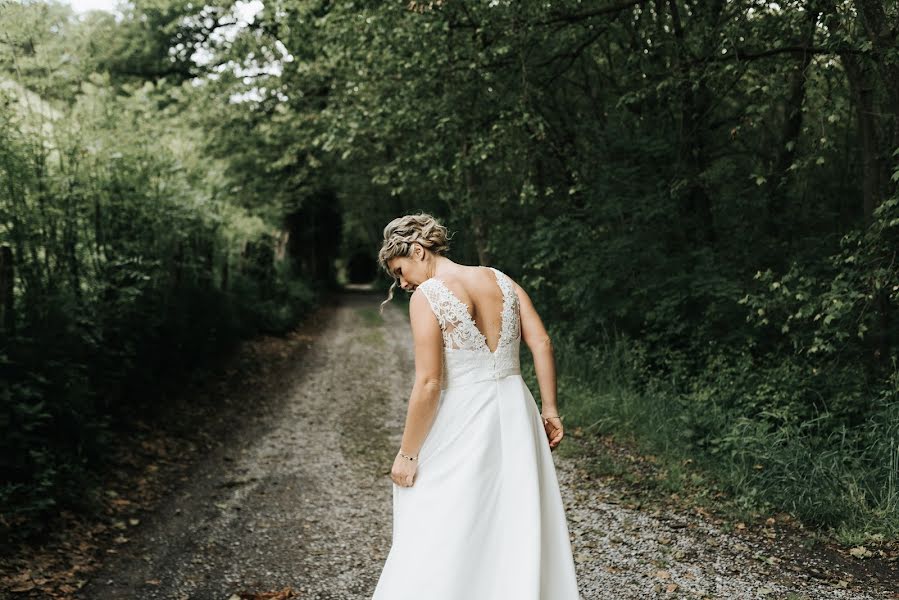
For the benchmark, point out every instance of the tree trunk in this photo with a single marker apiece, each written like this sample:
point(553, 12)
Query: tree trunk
point(876, 148)
point(884, 37)
point(862, 89)
point(7, 288)
point(479, 229)
point(226, 267)
point(691, 154)
point(792, 128)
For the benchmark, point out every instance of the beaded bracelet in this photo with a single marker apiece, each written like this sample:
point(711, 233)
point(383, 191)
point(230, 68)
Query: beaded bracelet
point(407, 456)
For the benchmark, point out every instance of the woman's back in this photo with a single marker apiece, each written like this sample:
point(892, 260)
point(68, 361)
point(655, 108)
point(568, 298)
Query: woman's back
point(476, 288)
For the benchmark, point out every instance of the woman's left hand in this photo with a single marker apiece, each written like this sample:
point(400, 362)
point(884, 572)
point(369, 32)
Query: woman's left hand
point(403, 471)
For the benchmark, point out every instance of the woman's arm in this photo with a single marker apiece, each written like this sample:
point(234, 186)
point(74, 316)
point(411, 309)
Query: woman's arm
point(534, 334)
point(428, 345)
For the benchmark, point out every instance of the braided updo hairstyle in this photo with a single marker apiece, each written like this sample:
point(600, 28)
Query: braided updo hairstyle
point(402, 232)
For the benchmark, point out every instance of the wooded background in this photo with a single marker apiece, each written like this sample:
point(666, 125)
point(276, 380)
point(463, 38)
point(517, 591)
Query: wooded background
point(699, 196)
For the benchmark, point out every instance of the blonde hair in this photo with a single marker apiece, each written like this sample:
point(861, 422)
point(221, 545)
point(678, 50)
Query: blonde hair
point(402, 232)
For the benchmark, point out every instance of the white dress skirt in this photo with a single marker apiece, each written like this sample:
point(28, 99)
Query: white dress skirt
point(484, 517)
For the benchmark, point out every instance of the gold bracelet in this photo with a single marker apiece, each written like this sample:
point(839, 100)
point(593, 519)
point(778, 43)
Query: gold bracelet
point(407, 456)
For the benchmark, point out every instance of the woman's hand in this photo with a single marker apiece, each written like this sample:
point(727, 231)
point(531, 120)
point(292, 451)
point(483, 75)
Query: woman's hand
point(554, 431)
point(403, 471)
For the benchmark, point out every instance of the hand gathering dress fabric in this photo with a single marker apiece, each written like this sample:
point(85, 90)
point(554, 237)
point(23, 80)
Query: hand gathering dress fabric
point(484, 517)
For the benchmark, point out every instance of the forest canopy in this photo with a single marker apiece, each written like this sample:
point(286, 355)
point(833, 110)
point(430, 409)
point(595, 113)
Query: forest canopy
point(700, 196)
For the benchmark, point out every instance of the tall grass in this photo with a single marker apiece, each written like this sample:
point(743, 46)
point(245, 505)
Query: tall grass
point(823, 471)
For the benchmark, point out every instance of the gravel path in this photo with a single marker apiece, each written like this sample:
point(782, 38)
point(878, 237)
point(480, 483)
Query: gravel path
point(303, 500)
point(638, 553)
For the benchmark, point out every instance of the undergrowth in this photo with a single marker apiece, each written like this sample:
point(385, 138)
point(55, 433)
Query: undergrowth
point(825, 471)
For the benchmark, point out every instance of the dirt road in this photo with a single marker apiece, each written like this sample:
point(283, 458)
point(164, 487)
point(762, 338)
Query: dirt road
point(303, 500)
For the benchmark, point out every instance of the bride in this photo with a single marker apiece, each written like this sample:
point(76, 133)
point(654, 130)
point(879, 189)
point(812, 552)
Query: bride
point(477, 510)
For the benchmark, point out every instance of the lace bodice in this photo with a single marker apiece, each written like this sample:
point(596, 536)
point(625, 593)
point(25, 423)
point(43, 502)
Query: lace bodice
point(467, 357)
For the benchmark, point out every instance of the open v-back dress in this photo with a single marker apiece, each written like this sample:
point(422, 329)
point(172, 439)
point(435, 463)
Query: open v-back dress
point(484, 517)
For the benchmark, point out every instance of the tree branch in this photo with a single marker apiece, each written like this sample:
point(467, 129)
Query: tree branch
point(741, 54)
point(606, 10)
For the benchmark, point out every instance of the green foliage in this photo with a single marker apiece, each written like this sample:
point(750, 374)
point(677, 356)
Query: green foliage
point(634, 166)
point(747, 426)
point(836, 307)
point(133, 264)
point(700, 199)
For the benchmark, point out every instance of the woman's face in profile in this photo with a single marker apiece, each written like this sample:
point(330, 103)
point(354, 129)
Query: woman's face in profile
point(409, 270)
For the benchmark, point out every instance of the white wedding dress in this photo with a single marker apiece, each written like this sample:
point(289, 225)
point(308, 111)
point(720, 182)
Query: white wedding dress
point(484, 518)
